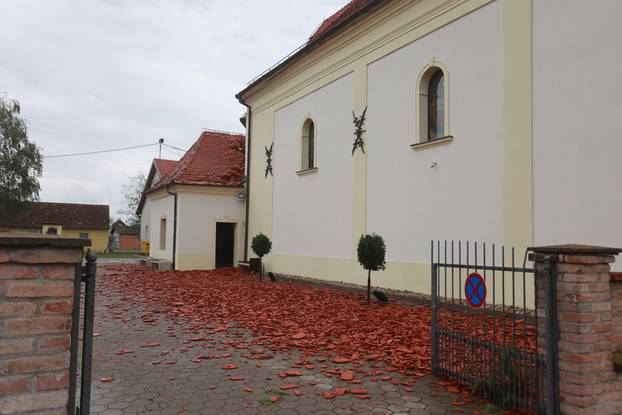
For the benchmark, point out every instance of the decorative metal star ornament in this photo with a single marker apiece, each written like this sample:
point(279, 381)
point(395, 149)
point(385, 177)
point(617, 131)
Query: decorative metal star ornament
point(358, 131)
point(269, 160)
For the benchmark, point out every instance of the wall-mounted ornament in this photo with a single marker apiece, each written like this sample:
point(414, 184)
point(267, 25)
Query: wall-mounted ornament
point(269, 160)
point(358, 131)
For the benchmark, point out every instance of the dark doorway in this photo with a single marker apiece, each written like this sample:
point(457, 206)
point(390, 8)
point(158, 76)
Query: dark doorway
point(225, 238)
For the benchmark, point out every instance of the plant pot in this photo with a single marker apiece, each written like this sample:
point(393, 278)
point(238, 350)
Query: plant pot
point(255, 264)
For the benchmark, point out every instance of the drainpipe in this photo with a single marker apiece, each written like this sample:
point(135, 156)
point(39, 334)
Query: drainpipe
point(174, 225)
point(248, 173)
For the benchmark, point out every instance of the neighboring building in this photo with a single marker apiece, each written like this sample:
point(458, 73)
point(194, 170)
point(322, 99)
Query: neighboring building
point(67, 219)
point(488, 120)
point(124, 237)
point(192, 210)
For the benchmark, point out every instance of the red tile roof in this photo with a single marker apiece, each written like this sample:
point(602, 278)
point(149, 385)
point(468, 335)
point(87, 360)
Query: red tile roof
point(129, 230)
point(164, 166)
point(339, 17)
point(215, 159)
point(68, 215)
point(342, 18)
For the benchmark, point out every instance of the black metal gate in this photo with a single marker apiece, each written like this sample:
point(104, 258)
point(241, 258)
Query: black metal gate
point(84, 274)
point(504, 350)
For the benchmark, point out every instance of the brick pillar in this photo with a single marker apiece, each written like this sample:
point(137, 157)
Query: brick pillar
point(616, 317)
point(587, 380)
point(36, 300)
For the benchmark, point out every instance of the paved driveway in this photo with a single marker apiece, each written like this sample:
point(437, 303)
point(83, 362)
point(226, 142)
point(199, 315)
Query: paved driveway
point(149, 362)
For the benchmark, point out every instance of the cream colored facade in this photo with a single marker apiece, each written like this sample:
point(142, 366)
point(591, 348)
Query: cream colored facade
point(98, 237)
point(199, 208)
point(523, 107)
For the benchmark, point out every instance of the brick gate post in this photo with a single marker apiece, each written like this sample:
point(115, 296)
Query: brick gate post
point(36, 299)
point(586, 295)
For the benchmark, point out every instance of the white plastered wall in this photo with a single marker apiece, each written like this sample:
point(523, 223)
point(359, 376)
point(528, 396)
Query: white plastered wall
point(161, 206)
point(473, 30)
point(577, 129)
point(312, 211)
point(410, 203)
point(145, 221)
point(197, 214)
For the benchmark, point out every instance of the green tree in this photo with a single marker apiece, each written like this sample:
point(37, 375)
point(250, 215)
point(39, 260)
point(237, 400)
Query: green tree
point(132, 192)
point(20, 162)
point(371, 252)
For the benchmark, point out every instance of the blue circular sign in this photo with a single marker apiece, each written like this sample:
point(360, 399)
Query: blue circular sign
point(475, 290)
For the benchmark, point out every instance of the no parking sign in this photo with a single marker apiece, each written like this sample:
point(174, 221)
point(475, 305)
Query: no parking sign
point(475, 290)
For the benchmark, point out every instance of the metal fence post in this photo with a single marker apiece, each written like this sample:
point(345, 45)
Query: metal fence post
point(551, 336)
point(87, 347)
point(434, 319)
point(75, 332)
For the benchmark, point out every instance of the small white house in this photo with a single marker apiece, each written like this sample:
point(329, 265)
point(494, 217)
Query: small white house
point(192, 210)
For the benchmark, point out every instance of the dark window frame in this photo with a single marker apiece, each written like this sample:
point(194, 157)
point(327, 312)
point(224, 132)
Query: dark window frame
point(435, 110)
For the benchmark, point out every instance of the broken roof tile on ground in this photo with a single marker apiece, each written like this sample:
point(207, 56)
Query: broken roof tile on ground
point(245, 336)
point(288, 315)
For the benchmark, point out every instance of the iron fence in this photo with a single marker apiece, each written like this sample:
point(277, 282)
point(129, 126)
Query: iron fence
point(493, 341)
point(84, 274)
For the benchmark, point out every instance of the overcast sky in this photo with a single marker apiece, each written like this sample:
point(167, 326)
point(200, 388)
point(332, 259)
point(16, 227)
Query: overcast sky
point(99, 74)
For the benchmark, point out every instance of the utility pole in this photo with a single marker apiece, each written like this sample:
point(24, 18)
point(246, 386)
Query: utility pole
point(160, 141)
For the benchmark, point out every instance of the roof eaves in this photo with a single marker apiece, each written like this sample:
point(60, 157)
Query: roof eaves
point(182, 183)
point(307, 48)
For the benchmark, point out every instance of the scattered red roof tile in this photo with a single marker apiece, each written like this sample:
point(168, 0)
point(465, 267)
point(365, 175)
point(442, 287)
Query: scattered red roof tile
point(68, 215)
point(215, 159)
point(339, 17)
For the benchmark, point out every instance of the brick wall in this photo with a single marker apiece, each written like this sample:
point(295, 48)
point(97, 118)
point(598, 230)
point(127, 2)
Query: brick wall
point(587, 302)
point(36, 299)
point(616, 308)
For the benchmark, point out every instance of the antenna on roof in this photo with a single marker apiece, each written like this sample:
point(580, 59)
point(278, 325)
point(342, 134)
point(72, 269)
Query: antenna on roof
point(160, 141)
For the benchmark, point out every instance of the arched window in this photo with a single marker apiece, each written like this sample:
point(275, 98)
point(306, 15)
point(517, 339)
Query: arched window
point(436, 105)
point(308, 145)
point(433, 109)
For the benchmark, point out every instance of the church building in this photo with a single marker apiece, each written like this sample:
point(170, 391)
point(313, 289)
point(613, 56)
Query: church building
point(481, 120)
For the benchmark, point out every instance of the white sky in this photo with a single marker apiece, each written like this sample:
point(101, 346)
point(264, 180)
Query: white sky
point(99, 74)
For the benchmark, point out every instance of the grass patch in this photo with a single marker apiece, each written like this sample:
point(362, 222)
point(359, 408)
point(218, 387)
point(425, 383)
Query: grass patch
point(265, 401)
point(265, 398)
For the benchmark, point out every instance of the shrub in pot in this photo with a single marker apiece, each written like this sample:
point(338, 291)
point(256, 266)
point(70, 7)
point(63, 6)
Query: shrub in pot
point(261, 245)
point(371, 252)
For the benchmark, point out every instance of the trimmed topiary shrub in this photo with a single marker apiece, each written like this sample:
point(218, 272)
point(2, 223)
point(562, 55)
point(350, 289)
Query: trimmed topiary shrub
point(371, 255)
point(261, 245)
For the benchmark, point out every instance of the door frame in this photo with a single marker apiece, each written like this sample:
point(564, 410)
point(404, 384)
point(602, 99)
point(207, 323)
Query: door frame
point(235, 239)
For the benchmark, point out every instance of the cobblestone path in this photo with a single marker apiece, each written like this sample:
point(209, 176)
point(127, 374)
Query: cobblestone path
point(158, 368)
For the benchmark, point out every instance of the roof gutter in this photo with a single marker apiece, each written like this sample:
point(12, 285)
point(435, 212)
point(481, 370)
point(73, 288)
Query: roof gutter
point(248, 173)
point(174, 226)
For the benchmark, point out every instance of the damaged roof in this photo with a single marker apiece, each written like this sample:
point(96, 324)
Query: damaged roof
point(215, 159)
point(330, 26)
